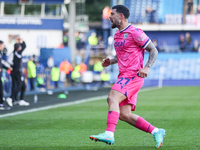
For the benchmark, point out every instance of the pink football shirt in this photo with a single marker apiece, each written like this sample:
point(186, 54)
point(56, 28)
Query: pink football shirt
point(129, 46)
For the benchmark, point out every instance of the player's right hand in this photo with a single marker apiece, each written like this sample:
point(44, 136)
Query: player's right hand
point(106, 62)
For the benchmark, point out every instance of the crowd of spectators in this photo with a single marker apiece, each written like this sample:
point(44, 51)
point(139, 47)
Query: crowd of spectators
point(188, 44)
point(185, 43)
point(192, 6)
point(33, 76)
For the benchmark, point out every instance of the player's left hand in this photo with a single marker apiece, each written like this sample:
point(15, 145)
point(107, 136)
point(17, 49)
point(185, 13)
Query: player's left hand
point(143, 72)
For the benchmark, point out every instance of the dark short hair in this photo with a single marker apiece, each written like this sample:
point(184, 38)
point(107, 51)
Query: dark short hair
point(1, 42)
point(122, 9)
point(16, 46)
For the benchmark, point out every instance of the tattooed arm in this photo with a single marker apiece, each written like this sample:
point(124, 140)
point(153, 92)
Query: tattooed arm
point(153, 52)
point(107, 62)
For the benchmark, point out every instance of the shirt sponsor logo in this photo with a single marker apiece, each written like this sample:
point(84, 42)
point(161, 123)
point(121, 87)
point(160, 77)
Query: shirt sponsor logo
point(119, 44)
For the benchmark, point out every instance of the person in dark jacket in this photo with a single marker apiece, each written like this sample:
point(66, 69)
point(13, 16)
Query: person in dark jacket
point(3, 64)
point(16, 74)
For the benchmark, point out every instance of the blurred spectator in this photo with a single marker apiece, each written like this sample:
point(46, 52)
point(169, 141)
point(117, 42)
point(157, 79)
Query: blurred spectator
point(83, 67)
point(7, 85)
point(182, 43)
point(101, 44)
point(155, 42)
point(34, 59)
point(83, 39)
point(91, 65)
point(105, 78)
point(163, 46)
point(78, 58)
point(39, 68)
point(189, 6)
point(188, 39)
point(66, 68)
point(93, 41)
point(196, 46)
point(75, 75)
point(31, 70)
point(55, 75)
point(100, 41)
point(198, 9)
point(40, 81)
point(78, 40)
point(97, 66)
point(150, 14)
point(2, 106)
point(77, 37)
point(65, 38)
point(4, 56)
point(50, 62)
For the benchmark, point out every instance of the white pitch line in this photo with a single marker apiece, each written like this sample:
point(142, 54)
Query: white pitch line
point(66, 104)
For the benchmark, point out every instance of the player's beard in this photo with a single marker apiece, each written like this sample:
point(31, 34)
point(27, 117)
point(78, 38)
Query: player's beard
point(115, 24)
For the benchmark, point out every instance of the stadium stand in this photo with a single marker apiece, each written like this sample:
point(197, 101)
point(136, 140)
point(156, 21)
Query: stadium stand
point(138, 10)
point(177, 66)
point(169, 12)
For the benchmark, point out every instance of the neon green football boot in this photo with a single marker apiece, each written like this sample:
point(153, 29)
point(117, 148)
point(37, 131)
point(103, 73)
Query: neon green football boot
point(103, 137)
point(158, 137)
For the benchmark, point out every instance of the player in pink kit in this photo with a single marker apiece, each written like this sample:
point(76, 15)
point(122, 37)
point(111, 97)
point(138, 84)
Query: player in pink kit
point(130, 45)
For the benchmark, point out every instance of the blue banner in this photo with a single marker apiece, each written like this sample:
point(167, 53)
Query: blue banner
point(30, 23)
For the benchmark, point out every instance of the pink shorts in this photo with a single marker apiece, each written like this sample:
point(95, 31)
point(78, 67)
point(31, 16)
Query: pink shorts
point(130, 88)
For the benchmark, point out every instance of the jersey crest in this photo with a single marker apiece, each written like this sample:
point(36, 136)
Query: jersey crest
point(125, 35)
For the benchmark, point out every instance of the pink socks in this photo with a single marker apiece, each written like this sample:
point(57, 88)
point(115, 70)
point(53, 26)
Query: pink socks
point(141, 124)
point(144, 125)
point(112, 120)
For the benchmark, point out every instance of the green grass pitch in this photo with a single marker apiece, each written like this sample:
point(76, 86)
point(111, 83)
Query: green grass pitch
point(176, 109)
